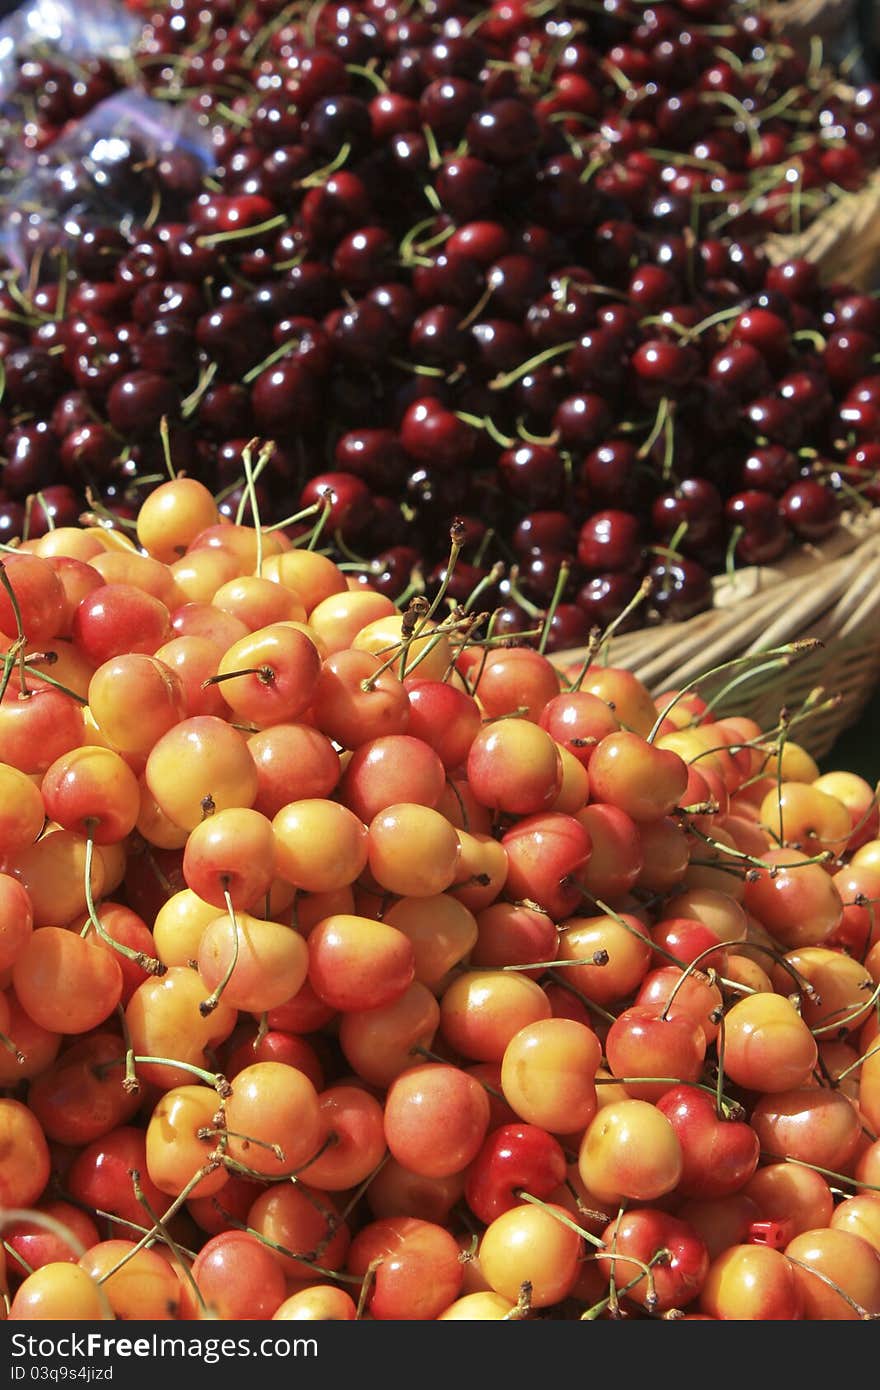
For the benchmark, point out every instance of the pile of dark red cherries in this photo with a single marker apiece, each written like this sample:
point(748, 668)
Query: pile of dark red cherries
point(499, 263)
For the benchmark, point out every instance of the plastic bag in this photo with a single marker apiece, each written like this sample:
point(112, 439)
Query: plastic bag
point(103, 172)
point(69, 29)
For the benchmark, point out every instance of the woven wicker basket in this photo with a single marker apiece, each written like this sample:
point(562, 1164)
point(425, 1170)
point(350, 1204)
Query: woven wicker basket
point(799, 21)
point(830, 592)
point(843, 239)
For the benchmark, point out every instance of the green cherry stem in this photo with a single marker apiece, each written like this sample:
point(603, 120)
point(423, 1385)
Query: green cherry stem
point(207, 1006)
point(148, 963)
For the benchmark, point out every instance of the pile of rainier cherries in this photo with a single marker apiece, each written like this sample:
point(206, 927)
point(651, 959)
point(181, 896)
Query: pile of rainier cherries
point(499, 263)
point(358, 964)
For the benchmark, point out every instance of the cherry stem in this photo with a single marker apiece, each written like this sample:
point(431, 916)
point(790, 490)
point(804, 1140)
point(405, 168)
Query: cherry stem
point(600, 638)
point(280, 352)
point(725, 690)
point(130, 1083)
point(657, 428)
point(221, 1132)
point(691, 968)
point(485, 422)
point(865, 1055)
point(505, 379)
point(251, 475)
point(285, 1250)
point(323, 517)
point(462, 811)
point(588, 1003)
point(841, 1178)
point(29, 670)
point(559, 589)
point(611, 1302)
point(211, 239)
point(824, 1278)
point(155, 1232)
point(335, 1221)
point(561, 1218)
point(791, 652)
point(148, 963)
point(16, 1256)
point(10, 658)
point(266, 675)
point(207, 1006)
point(736, 536)
point(133, 1226)
point(368, 1281)
point(824, 857)
point(159, 1224)
point(262, 463)
point(456, 541)
point(530, 609)
point(13, 599)
point(6, 1041)
point(165, 437)
point(720, 1045)
point(803, 984)
point(493, 577)
point(190, 404)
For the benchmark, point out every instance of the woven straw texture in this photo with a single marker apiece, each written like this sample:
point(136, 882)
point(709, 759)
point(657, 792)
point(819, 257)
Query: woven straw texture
point(799, 20)
point(843, 239)
point(830, 592)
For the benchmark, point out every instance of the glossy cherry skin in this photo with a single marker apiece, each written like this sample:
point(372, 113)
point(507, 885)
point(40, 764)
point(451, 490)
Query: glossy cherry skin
point(513, 1158)
point(642, 1233)
point(719, 1154)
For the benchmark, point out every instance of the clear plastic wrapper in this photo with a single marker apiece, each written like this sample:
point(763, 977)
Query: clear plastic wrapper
point(115, 167)
point(68, 29)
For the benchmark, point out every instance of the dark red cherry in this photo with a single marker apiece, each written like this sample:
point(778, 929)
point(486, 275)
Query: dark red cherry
point(610, 541)
point(446, 105)
point(762, 534)
point(467, 187)
point(776, 419)
point(33, 379)
point(535, 473)
point(363, 334)
point(89, 451)
point(504, 132)
point(604, 597)
point(681, 588)
point(364, 258)
point(668, 366)
point(765, 331)
point(771, 469)
point(857, 311)
point(544, 530)
point(137, 402)
point(610, 474)
point(285, 398)
point(438, 339)
point(848, 355)
point(693, 511)
point(336, 121)
point(582, 420)
point(741, 369)
point(434, 435)
point(30, 460)
point(797, 278)
point(810, 509)
point(235, 336)
point(347, 497)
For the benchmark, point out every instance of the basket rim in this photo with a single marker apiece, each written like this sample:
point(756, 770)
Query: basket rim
point(834, 585)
